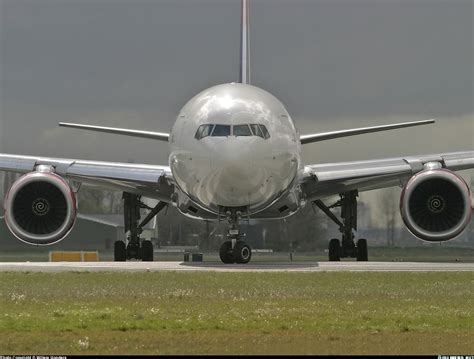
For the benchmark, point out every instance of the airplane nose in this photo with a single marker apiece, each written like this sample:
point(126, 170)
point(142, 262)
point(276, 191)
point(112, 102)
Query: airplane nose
point(234, 160)
point(236, 178)
point(237, 155)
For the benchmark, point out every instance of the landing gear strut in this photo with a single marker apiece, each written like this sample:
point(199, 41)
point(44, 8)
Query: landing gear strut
point(137, 248)
point(235, 250)
point(346, 247)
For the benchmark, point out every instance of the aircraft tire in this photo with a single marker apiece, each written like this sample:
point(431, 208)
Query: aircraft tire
point(120, 252)
point(242, 252)
point(147, 251)
point(225, 253)
point(334, 250)
point(362, 253)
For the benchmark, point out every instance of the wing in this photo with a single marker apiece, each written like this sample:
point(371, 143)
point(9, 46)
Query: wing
point(160, 136)
point(324, 180)
point(317, 137)
point(148, 180)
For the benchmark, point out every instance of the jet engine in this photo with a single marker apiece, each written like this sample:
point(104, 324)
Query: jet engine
point(436, 205)
point(40, 208)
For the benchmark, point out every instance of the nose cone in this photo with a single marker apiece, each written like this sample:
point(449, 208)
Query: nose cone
point(235, 155)
point(234, 171)
point(236, 178)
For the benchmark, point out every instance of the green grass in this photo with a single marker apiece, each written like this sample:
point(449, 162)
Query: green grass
point(238, 313)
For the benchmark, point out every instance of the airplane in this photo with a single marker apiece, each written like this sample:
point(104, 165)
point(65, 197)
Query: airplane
point(235, 154)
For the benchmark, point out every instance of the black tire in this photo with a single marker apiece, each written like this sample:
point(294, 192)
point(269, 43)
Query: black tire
point(362, 253)
point(334, 250)
point(147, 251)
point(242, 252)
point(225, 253)
point(120, 252)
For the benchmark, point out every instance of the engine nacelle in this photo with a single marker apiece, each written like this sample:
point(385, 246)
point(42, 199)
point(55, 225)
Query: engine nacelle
point(436, 205)
point(40, 208)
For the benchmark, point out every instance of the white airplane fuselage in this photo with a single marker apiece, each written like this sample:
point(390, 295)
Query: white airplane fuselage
point(232, 170)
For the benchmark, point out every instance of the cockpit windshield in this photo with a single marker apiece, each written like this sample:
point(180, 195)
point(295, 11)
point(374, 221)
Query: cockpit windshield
point(215, 130)
point(221, 130)
point(242, 130)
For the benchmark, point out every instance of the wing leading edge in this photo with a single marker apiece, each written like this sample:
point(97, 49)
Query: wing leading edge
point(148, 180)
point(324, 180)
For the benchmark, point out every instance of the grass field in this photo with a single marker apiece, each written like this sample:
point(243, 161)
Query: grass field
point(236, 313)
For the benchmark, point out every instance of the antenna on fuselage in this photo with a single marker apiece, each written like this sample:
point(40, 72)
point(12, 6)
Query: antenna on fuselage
point(245, 45)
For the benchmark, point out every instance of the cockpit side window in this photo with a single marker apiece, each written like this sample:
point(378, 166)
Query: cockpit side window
point(242, 130)
point(264, 131)
point(198, 134)
point(203, 131)
point(221, 130)
point(256, 130)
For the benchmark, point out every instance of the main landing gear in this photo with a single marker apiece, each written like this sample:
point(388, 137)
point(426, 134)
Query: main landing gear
point(137, 248)
point(346, 247)
point(234, 250)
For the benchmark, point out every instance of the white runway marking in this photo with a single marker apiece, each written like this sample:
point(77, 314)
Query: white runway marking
point(252, 267)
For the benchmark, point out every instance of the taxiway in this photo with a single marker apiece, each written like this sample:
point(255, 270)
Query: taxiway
point(255, 267)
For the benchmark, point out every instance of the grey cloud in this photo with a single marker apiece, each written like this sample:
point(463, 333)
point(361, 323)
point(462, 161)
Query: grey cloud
point(335, 64)
point(367, 58)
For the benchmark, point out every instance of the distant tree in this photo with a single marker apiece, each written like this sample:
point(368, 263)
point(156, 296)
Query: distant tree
point(113, 202)
point(301, 232)
point(304, 230)
point(94, 200)
point(471, 239)
point(91, 200)
point(176, 229)
point(6, 180)
point(388, 205)
point(2, 191)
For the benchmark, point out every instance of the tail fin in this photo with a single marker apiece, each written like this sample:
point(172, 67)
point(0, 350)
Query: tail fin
point(245, 45)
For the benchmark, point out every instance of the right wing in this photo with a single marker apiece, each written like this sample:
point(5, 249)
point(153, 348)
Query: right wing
point(147, 180)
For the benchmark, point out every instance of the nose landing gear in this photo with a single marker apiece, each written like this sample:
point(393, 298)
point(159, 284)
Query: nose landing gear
point(235, 250)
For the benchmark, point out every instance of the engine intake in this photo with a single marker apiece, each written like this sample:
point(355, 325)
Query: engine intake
point(40, 208)
point(436, 205)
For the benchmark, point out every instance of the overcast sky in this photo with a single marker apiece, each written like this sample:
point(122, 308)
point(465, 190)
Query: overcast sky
point(334, 64)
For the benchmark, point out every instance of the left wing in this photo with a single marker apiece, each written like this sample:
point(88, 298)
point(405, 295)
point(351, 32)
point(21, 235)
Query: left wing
point(328, 179)
point(317, 137)
point(148, 180)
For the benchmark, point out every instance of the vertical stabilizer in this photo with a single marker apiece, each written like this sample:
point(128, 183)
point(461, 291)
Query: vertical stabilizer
point(244, 45)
